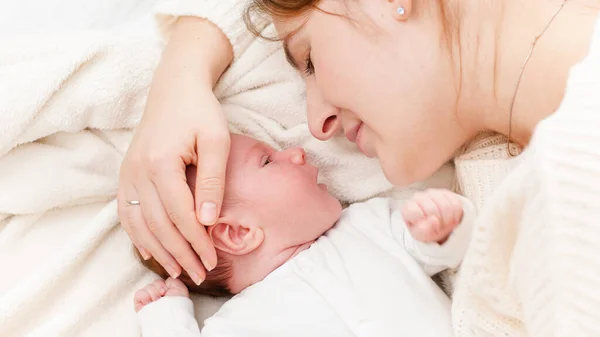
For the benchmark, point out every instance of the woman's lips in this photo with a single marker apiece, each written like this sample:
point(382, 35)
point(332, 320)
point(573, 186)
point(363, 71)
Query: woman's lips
point(353, 132)
point(355, 135)
point(360, 142)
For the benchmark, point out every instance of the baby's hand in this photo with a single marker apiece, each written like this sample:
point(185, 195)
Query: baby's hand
point(432, 215)
point(158, 289)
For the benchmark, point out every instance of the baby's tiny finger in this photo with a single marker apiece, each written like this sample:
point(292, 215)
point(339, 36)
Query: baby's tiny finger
point(438, 225)
point(423, 230)
point(446, 210)
point(457, 206)
point(140, 299)
point(177, 288)
point(428, 206)
point(153, 292)
point(434, 225)
point(174, 282)
point(161, 286)
point(411, 212)
point(141, 295)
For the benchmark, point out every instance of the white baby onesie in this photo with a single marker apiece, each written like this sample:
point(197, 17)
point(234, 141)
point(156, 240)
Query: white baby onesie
point(365, 277)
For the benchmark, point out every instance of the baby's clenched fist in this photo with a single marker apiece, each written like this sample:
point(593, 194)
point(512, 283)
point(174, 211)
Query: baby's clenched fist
point(431, 216)
point(157, 290)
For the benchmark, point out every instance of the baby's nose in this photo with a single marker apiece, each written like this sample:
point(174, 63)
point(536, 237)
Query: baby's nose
point(297, 156)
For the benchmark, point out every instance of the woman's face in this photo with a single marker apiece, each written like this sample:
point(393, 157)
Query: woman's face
point(384, 82)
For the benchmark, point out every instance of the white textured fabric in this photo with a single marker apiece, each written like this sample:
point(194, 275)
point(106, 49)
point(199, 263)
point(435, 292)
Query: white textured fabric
point(178, 314)
point(226, 14)
point(533, 267)
point(365, 277)
point(34, 16)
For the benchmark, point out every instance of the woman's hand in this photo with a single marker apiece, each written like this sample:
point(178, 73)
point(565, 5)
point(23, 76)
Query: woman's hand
point(183, 125)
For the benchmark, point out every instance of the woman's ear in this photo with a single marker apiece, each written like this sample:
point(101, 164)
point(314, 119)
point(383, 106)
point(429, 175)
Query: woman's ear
point(401, 9)
point(235, 239)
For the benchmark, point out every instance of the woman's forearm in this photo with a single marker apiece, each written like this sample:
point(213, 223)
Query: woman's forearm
point(197, 51)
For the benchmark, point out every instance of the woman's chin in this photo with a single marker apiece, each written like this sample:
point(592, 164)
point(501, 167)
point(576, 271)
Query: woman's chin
point(397, 176)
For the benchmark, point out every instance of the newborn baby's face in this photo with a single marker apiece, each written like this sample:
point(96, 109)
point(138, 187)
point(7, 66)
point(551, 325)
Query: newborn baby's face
point(278, 190)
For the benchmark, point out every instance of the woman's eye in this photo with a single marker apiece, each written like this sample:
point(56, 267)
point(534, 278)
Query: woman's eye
point(309, 68)
point(266, 161)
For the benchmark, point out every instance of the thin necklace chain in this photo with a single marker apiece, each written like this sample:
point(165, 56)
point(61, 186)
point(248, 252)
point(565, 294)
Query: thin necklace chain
point(512, 151)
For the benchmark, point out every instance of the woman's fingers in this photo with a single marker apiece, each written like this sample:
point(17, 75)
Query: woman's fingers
point(126, 222)
point(127, 226)
point(166, 224)
point(171, 238)
point(132, 218)
point(213, 154)
point(179, 205)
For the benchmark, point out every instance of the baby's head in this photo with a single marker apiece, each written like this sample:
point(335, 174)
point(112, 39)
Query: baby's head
point(273, 208)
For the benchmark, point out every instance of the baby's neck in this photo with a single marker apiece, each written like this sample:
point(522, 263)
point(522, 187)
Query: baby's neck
point(254, 267)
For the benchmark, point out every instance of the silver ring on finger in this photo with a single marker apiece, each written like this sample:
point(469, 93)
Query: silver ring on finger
point(132, 202)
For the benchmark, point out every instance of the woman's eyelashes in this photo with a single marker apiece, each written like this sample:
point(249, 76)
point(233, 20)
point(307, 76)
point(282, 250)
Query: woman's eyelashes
point(309, 68)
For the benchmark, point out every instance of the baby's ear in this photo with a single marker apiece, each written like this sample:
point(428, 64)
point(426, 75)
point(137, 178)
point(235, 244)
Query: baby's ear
point(235, 239)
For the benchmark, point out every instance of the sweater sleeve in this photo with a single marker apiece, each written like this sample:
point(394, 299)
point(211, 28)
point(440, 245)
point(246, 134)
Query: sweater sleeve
point(225, 14)
point(170, 316)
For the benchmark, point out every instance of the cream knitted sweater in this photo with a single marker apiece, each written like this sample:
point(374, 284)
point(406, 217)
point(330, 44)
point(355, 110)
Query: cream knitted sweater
point(533, 266)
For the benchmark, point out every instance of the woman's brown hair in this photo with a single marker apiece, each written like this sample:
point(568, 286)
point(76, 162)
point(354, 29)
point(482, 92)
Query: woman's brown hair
point(275, 8)
point(447, 10)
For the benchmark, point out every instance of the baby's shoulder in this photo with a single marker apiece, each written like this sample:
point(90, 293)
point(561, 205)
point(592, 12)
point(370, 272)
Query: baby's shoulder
point(257, 306)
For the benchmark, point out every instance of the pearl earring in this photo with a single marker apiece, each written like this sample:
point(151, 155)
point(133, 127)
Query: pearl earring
point(400, 11)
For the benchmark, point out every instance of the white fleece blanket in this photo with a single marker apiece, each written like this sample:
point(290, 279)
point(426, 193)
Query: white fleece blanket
point(33, 16)
point(68, 103)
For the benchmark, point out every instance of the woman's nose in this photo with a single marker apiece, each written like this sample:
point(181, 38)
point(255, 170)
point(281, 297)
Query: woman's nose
point(323, 118)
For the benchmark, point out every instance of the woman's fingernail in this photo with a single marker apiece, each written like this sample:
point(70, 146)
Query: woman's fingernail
point(207, 265)
point(196, 278)
point(145, 255)
point(172, 271)
point(208, 213)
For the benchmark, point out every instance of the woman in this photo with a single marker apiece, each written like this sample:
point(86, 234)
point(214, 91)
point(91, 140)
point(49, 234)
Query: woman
point(412, 82)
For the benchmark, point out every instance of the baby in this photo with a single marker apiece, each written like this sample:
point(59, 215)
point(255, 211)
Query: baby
point(303, 267)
